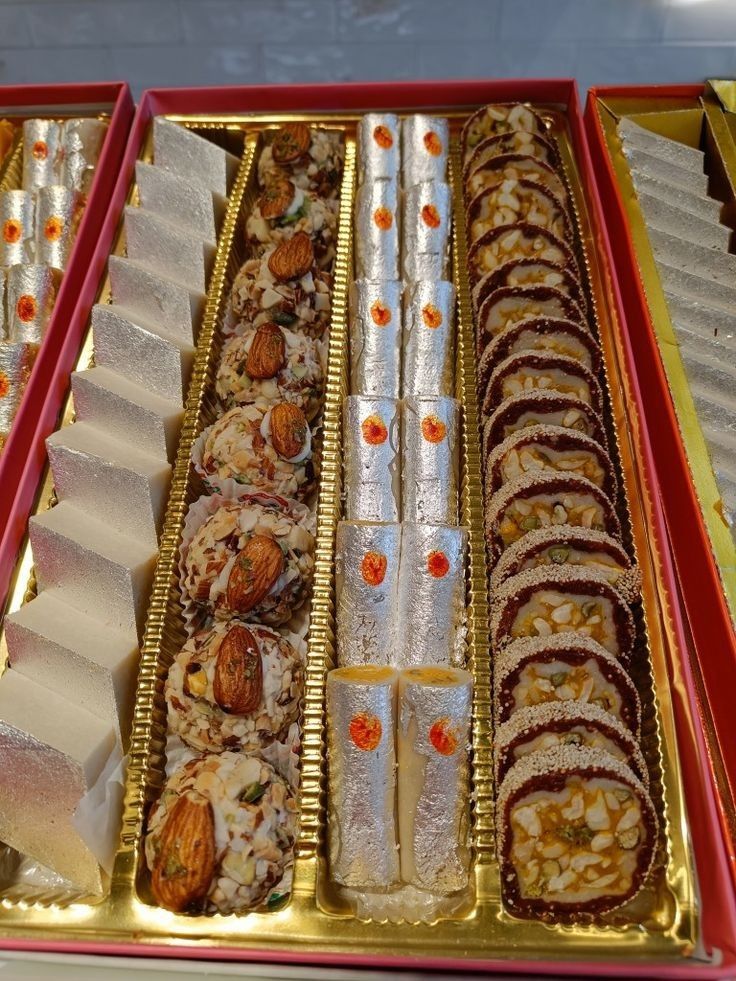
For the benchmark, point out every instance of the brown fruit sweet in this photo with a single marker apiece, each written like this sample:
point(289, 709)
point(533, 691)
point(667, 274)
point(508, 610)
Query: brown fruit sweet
point(288, 429)
point(292, 259)
point(185, 864)
point(238, 681)
point(256, 569)
point(276, 199)
point(267, 354)
point(290, 142)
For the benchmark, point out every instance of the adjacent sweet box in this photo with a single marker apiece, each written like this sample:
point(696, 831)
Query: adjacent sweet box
point(408, 371)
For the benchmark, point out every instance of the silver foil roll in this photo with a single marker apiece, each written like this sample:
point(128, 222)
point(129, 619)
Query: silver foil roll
point(57, 217)
point(81, 141)
point(42, 154)
point(16, 362)
point(429, 339)
point(367, 592)
point(433, 741)
point(430, 460)
point(377, 230)
point(3, 306)
point(431, 595)
point(378, 146)
point(31, 294)
point(372, 440)
point(424, 147)
point(17, 220)
point(426, 231)
point(375, 338)
point(361, 725)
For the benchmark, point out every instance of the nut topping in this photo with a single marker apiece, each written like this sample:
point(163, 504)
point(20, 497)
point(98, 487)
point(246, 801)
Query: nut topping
point(185, 864)
point(292, 259)
point(238, 682)
point(267, 354)
point(288, 429)
point(290, 142)
point(276, 199)
point(256, 569)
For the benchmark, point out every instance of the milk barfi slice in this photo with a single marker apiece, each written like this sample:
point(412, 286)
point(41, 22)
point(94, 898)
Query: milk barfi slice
point(175, 308)
point(710, 323)
point(564, 337)
point(541, 407)
point(680, 154)
point(183, 152)
point(653, 165)
point(713, 264)
point(530, 272)
point(708, 209)
point(177, 254)
point(519, 241)
point(530, 371)
point(194, 208)
point(666, 217)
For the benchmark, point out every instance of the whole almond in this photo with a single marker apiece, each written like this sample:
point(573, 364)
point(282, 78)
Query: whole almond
point(267, 354)
point(292, 259)
point(276, 199)
point(290, 142)
point(185, 865)
point(238, 683)
point(288, 429)
point(256, 569)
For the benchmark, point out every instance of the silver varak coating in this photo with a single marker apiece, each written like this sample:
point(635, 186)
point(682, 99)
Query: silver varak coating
point(430, 460)
point(372, 477)
point(375, 338)
point(426, 231)
point(429, 339)
point(17, 220)
point(424, 145)
point(377, 230)
point(56, 224)
point(31, 293)
point(378, 147)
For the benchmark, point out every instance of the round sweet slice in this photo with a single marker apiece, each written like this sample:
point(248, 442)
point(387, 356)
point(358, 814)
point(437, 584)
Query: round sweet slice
point(540, 334)
point(540, 407)
point(546, 601)
point(577, 833)
point(503, 117)
point(514, 166)
point(535, 449)
point(221, 835)
point(510, 304)
point(530, 272)
point(565, 545)
point(530, 371)
point(536, 728)
point(519, 241)
point(518, 141)
point(517, 200)
point(564, 668)
point(234, 686)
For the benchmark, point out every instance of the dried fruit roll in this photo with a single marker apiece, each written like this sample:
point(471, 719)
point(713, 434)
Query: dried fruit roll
point(493, 120)
point(518, 141)
point(378, 147)
point(566, 545)
point(221, 835)
point(372, 475)
point(517, 200)
point(576, 834)
point(285, 286)
point(514, 166)
point(377, 230)
point(361, 819)
point(424, 146)
point(251, 558)
point(375, 338)
point(431, 595)
point(520, 241)
point(367, 592)
point(550, 448)
point(283, 210)
point(530, 272)
point(264, 446)
point(433, 742)
point(508, 305)
point(234, 686)
point(430, 460)
point(530, 371)
point(540, 407)
point(566, 668)
point(562, 600)
point(272, 364)
point(425, 231)
point(540, 334)
point(429, 339)
point(310, 156)
point(545, 725)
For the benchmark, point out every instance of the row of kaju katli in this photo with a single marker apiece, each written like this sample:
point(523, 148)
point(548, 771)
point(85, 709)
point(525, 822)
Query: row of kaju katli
point(66, 700)
point(39, 223)
point(691, 249)
point(399, 739)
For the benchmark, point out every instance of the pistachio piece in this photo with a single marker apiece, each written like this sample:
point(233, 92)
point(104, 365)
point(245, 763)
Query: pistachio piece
point(559, 554)
point(558, 678)
point(529, 523)
point(572, 739)
point(253, 793)
point(628, 839)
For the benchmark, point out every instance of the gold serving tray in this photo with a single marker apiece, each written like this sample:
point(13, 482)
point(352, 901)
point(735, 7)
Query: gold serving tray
point(661, 924)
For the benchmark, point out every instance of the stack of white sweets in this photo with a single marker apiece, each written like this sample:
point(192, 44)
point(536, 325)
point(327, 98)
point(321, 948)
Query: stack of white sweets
point(66, 701)
point(691, 249)
point(399, 704)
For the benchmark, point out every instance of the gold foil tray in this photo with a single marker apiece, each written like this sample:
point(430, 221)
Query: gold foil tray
point(661, 924)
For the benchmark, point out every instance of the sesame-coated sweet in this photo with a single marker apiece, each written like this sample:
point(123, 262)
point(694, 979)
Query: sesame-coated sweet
point(517, 141)
point(518, 241)
point(514, 166)
point(530, 272)
point(529, 371)
point(507, 305)
point(541, 407)
point(515, 200)
point(540, 334)
point(493, 120)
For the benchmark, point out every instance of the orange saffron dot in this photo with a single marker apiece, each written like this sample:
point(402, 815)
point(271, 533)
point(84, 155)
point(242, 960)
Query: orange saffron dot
point(431, 316)
point(430, 216)
point(40, 151)
point(53, 228)
point(438, 565)
point(12, 230)
point(373, 568)
point(380, 313)
point(4, 384)
point(433, 429)
point(442, 737)
point(433, 143)
point(383, 218)
point(374, 430)
point(365, 731)
point(26, 308)
point(382, 136)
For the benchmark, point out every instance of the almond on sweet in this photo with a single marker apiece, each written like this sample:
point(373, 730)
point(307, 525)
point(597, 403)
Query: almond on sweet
point(289, 429)
point(185, 865)
point(267, 354)
point(276, 199)
point(290, 142)
point(292, 259)
point(256, 569)
point(238, 681)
